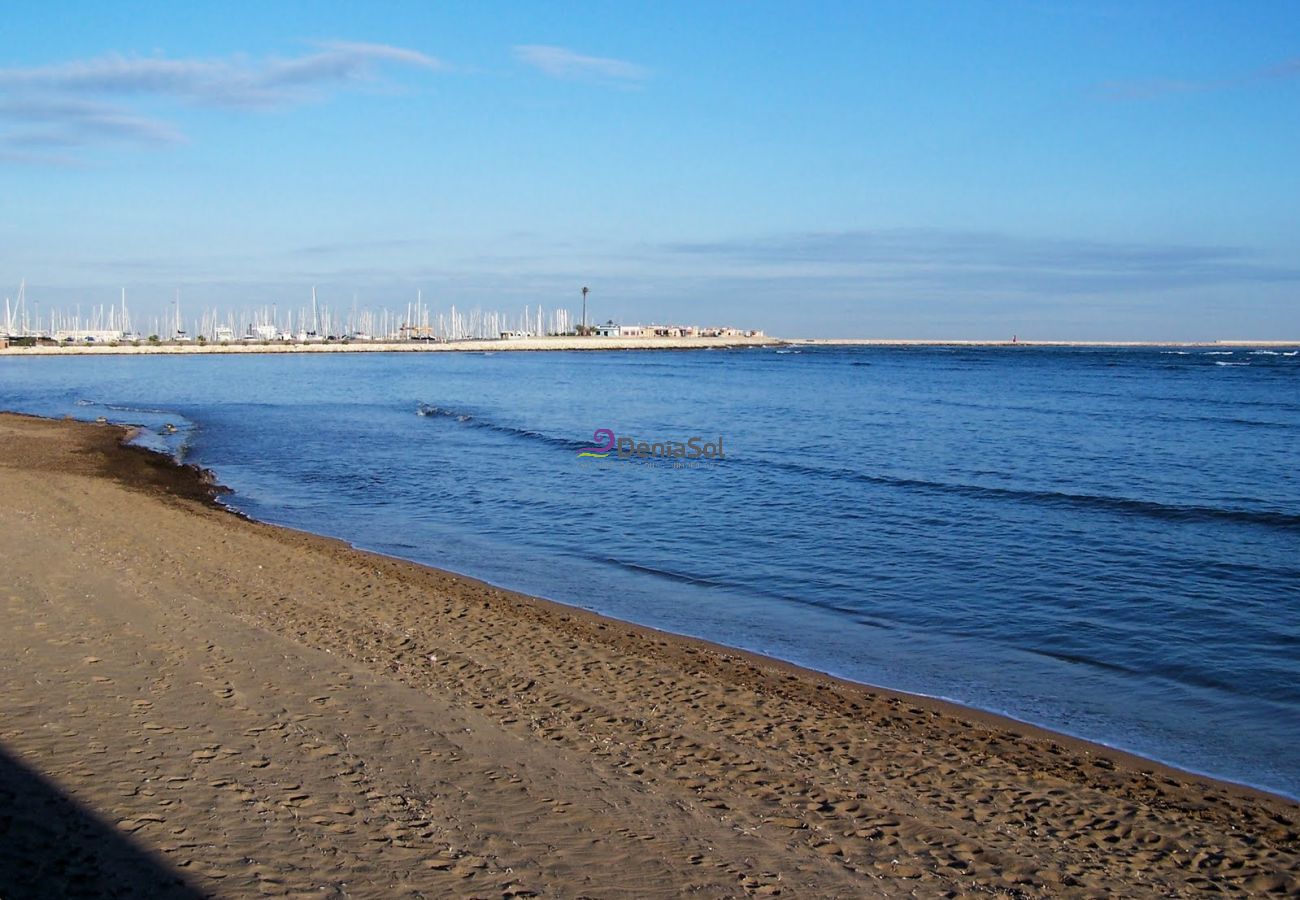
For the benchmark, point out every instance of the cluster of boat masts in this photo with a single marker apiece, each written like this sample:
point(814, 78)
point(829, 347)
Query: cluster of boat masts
point(315, 323)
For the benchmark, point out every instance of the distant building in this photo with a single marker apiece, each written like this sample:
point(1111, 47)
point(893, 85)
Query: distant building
point(417, 333)
point(630, 331)
point(609, 329)
point(515, 335)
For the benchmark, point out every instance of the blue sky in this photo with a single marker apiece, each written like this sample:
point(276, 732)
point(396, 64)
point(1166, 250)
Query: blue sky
point(1054, 170)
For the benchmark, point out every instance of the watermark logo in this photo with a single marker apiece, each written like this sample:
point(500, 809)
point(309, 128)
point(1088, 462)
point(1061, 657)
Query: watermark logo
point(690, 451)
point(604, 438)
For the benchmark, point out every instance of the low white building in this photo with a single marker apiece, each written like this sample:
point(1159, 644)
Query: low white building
point(261, 333)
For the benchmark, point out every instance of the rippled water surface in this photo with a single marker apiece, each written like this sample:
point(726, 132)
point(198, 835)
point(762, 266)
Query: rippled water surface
point(1106, 542)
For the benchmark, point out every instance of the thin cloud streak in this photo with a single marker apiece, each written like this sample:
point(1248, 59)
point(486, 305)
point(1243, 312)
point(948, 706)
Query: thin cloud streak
point(74, 123)
point(891, 262)
point(560, 62)
point(1287, 69)
point(937, 258)
point(61, 105)
point(1155, 88)
point(235, 82)
point(352, 247)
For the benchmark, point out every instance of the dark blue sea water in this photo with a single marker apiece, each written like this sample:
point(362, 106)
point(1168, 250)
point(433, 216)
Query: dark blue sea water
point(1104, 542)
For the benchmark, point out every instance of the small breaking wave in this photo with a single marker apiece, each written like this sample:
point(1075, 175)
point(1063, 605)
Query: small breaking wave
point(426, 410)
point(1124, 505)
point(430, 411)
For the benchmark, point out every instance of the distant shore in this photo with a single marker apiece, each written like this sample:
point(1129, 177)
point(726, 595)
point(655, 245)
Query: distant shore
point(193, 698)
point(591, 344)
point(475, 346)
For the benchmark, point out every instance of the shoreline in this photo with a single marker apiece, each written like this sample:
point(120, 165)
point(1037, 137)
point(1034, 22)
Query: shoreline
point(941, 705)
point(202, 484)
point(569, 344)
point(951, 708)
point(832, 756)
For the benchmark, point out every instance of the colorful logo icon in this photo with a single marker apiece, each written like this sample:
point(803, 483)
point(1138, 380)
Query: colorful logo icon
point(605, 439)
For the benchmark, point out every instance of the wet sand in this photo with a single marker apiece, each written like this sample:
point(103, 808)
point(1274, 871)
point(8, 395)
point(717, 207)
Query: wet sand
point(196, 704)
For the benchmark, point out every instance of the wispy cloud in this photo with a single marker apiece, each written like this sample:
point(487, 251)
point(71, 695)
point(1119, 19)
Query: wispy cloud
point(238, 81)
point(90, 101)
point(1154, 88)
point(560, 62)
point(346, 247)
point(989, 260)
point(1289, 68)
point(58, 122)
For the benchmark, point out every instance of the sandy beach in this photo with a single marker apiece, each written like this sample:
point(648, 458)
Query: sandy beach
point(195, 704)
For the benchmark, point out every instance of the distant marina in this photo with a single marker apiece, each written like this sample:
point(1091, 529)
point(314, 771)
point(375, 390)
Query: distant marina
point(114, 326)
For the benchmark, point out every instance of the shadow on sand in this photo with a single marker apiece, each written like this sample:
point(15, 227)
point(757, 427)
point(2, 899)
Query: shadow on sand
point(53, 846)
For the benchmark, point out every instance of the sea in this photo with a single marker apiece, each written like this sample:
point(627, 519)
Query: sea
point(1104, 542)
